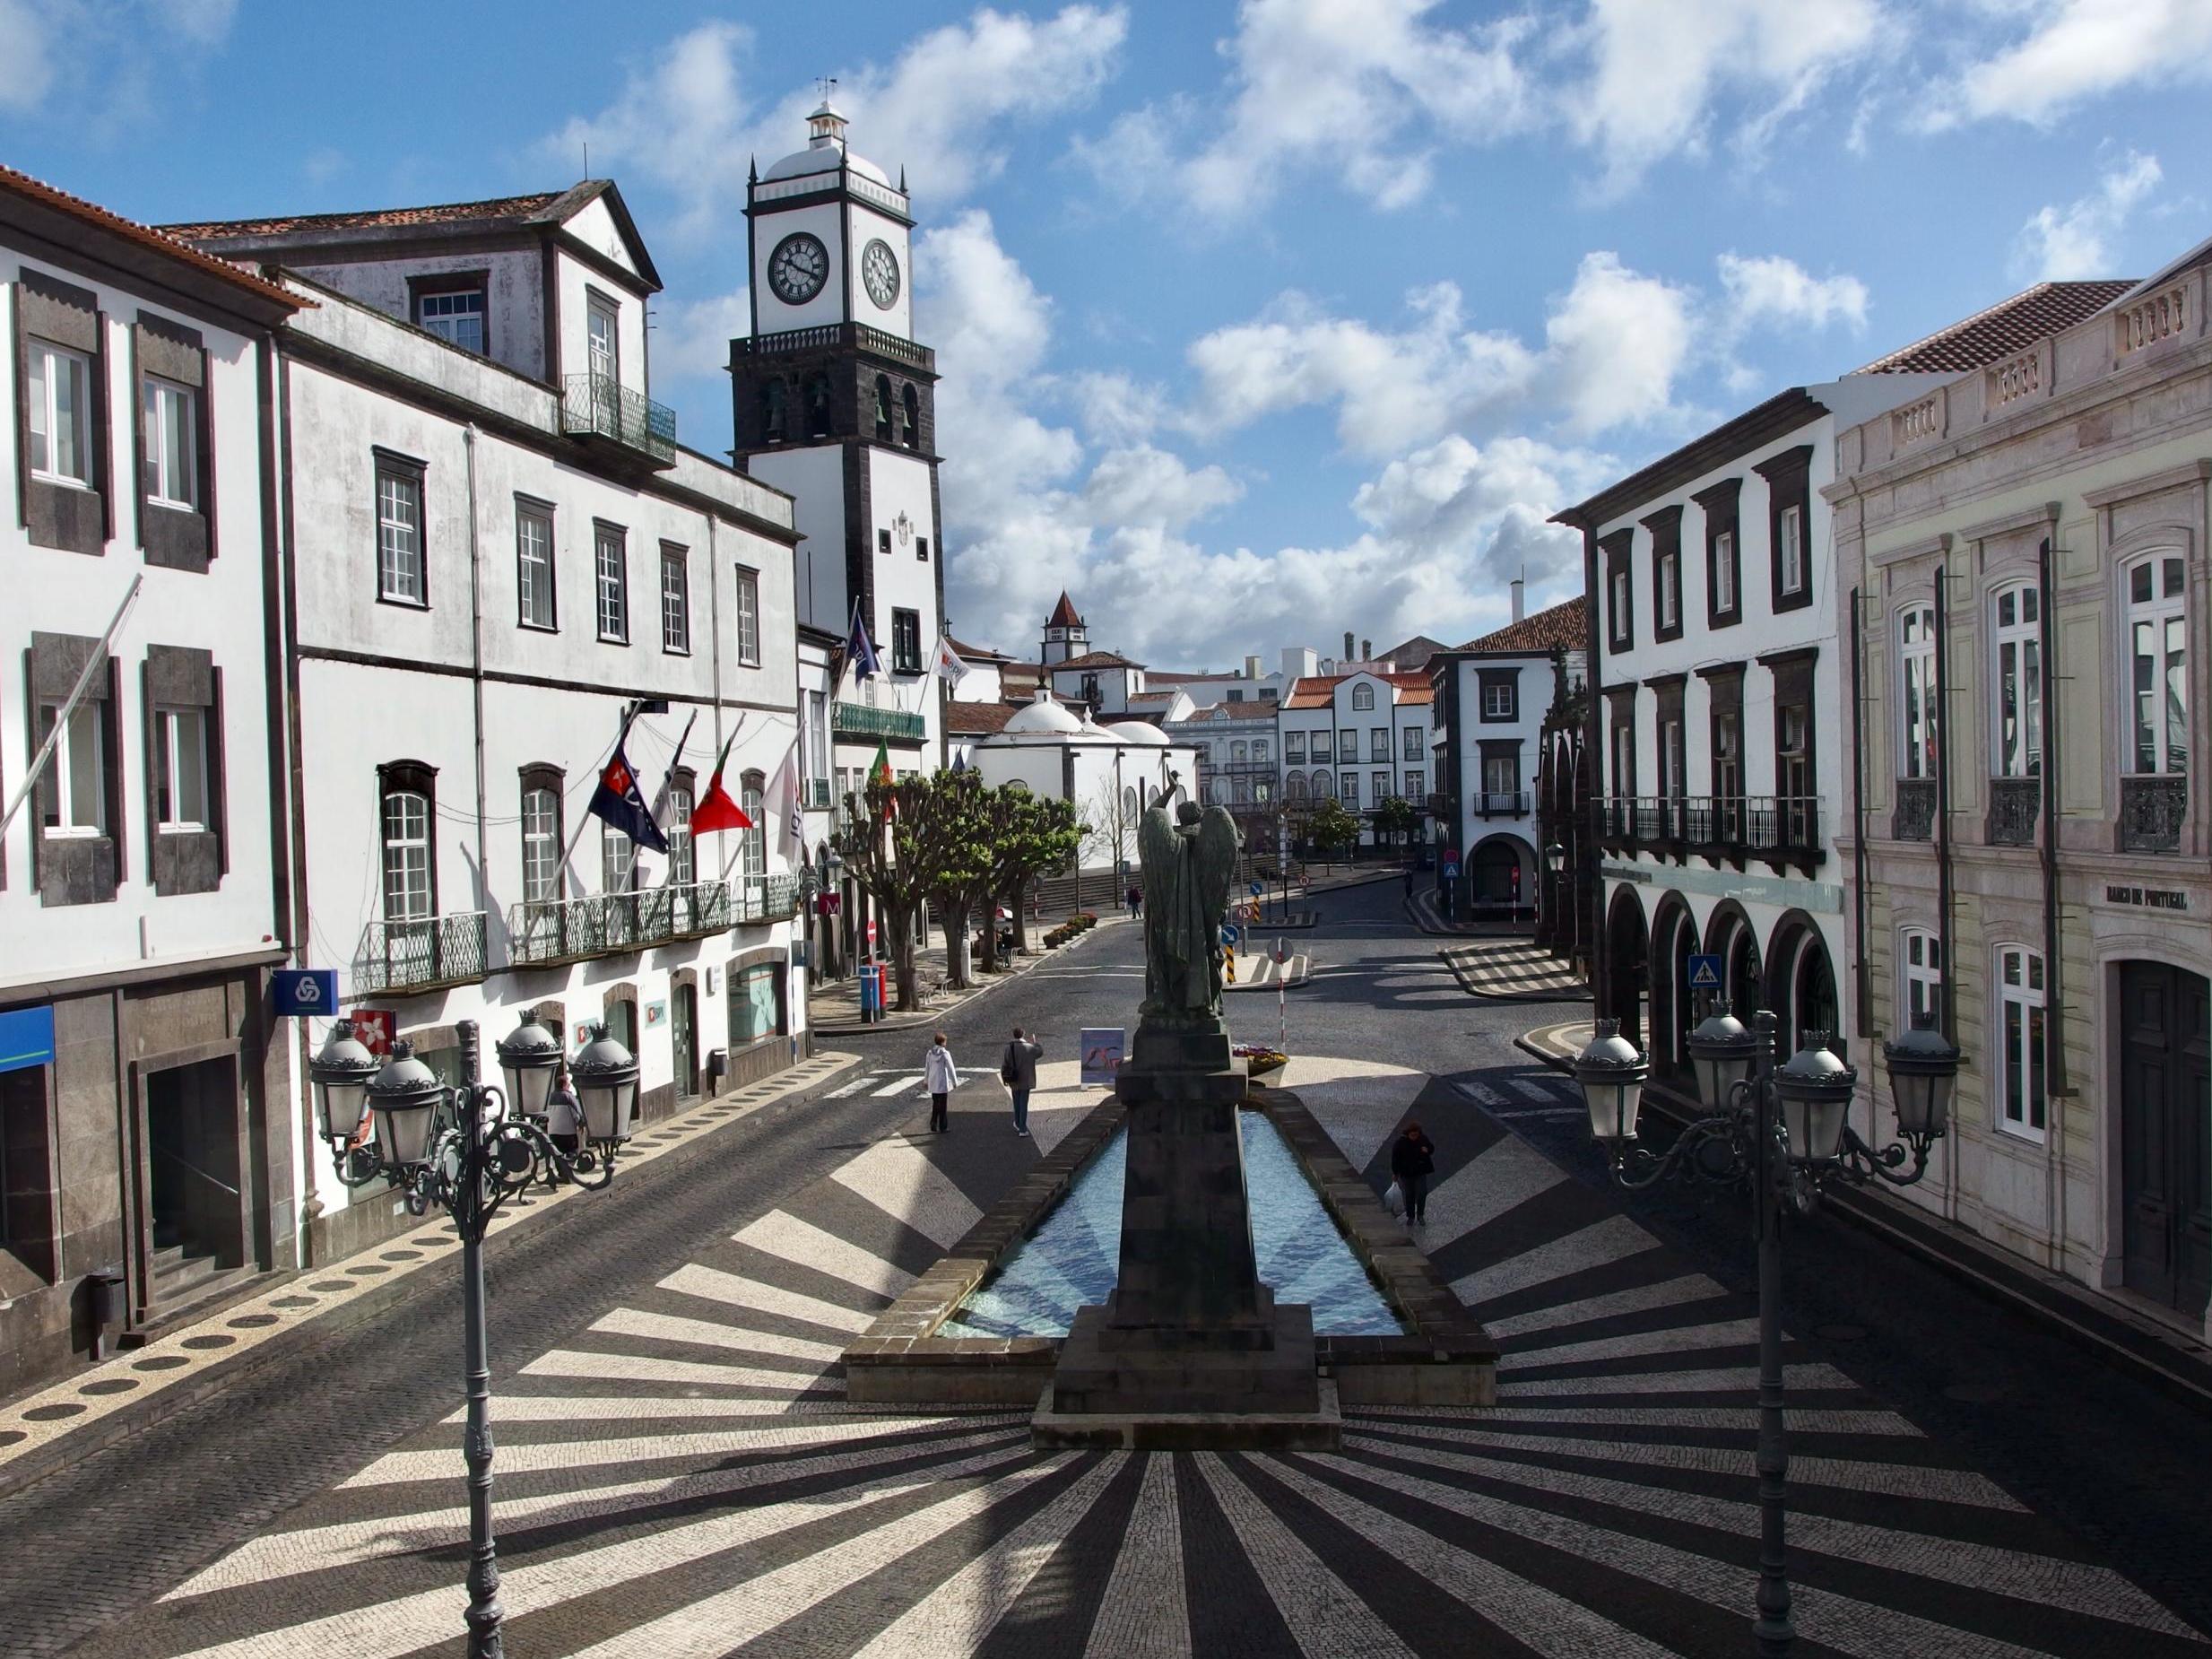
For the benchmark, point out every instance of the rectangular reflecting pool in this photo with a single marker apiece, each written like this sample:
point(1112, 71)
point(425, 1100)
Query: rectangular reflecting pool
point(1074, 1258)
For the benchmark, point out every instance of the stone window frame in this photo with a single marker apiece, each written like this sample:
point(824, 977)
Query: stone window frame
point(623, 995)
point(1620, 715)
point(682, 788)
point(907, 647)
point(1670, 706)
point(745, 961)
point(1666, 529)
point(533, 507)
point(390, 463)
point(530, 778)
point(170, 536)
point(77, 869)
point(1620, 590)
point(2152, 550)
point(676, 600)
point(748, 609)
point(1906, 607)
point(1793, 673)
point(1929, 973)
point(1996, 587)
point(1721, 504)
point(67, 517)
point(431, 284)
point(2028, 998)
point(1507, 679)
point(606, 532)
point(413, 777)
point(1724, 696)
point(184, 861)
point(1789, 483)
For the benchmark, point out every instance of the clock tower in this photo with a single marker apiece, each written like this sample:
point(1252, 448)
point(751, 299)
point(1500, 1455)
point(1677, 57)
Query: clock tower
point(835, 403)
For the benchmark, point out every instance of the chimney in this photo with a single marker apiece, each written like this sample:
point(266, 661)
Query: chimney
point(1367, 650)
point(1519, 603)
point(1252, 668)
point(1347, 647)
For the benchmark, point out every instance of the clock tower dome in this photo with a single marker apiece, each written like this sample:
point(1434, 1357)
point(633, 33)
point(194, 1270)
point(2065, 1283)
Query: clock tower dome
point(834, 403)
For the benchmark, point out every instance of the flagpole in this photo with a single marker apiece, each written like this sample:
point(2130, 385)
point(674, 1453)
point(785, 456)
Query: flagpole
point(630, 712)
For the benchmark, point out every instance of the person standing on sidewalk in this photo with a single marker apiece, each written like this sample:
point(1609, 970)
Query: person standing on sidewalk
point(1018, 1071)
point(1136, 902)
point(941, 1077)
point(1413, 1160)
point(1409, 879)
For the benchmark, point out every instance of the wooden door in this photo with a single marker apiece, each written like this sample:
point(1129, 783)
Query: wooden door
point(2165, 1114)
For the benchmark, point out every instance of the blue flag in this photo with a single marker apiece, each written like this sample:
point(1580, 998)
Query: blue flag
point(858, 651)
point(618, 801)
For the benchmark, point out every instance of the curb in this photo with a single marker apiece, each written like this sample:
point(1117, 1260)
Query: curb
point(31, 1466)
point(1971, 1265)
point(1531, 997)
point(936, 1012)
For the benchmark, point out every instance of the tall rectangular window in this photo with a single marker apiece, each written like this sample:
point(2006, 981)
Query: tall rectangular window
point(906, 642)
point(1294, 747)
point(675, 599)
point(540, 844)
point(2157, 668)
point(61, 413)
point(1501, 774)
point(534, 566)
point(1724, 572)
point(612, 563)
point(407, 888)
point(1378, 743)
point(2021, 1038)
point(1916, 654)
point(77, 803)
point(921, 549)
point(603, 340)
point(1413, 786)
point(1380, 783)
point(618, 861)
point(1790, 533)
point(748, 616)
point(170, 434)
point(1670, 590)
point(1413, 750)
point(180, 769)
point(2018, 643)
point(817, 737)
point(1351, 787)
point(682, 871)
point(456, 317)
point(1923, 979)
point(402, 577)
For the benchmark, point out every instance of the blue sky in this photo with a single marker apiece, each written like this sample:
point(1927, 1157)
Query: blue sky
point(1258, 323)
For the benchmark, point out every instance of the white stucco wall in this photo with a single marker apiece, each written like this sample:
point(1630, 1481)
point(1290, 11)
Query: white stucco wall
point(514, 300)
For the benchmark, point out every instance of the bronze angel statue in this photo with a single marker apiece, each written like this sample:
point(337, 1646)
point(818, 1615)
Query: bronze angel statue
point(1188, 863)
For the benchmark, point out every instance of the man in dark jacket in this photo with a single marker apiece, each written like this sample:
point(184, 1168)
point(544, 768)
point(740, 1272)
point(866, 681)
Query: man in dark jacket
point(1413, 1160)
point(1018, 1071)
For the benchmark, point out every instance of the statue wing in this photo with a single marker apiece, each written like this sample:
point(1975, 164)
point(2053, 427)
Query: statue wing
point(1218, 847)
point(1159, 860)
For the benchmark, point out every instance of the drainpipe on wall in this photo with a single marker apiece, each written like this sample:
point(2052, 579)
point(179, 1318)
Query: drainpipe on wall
point(1862, 978)
point(1943, 848)
point(476, 679)
point(2055, 1085)
point(1593, 804)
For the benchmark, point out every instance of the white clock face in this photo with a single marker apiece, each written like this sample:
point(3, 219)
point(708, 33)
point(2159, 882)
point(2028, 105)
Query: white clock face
point(798, 268)
point(878, 269)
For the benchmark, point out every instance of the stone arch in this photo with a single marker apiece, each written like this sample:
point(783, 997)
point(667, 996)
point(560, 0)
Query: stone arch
point(1731, 936)
point(1501, 872)
point(1674, 1010)
point(1624, 939)
point(1801, 984)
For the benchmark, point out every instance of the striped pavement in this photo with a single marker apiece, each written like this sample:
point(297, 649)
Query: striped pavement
point(684, 1477)
point(1514, 969)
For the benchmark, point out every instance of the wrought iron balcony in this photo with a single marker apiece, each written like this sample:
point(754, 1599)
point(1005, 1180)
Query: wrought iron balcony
point(831, 336)
point(1789, 827)
point(2151, 811)
point(548, 930)
point(1915, 817)
point(764, 899)
point(420, 954)
point(2014, 804)
point(599, 407)
point(859, 720)
point(1502, 804)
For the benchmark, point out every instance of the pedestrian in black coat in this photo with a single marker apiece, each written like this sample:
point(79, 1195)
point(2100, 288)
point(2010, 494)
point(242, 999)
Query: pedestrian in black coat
point(1413, 1160)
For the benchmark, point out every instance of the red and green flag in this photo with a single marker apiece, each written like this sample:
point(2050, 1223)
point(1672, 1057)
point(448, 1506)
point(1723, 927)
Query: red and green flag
point(881, 772)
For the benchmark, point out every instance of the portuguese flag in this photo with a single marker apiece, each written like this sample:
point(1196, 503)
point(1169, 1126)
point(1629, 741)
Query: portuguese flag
point(881, 772)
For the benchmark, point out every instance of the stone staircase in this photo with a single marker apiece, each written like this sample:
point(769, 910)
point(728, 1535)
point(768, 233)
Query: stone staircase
point(187, 1286)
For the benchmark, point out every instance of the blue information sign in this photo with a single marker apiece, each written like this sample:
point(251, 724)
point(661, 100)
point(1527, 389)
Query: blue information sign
point(304, 991)
point(1451, 871)
point(26, 1038)
point(1704, 973)
point(1230, 936)
point(1257, 889)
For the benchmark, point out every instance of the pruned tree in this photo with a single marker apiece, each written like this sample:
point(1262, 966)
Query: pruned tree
point(976, 823)
point(899, 864)
point(1038, 833)
point(1397, 819)
point(1331, 824)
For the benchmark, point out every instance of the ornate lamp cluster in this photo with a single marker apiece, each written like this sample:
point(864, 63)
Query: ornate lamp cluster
point(1780, 1131)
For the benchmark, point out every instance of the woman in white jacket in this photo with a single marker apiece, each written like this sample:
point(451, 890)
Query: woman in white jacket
point(942, 1077)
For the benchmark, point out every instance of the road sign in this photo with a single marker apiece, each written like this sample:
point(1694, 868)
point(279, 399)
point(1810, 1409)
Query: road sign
point(1282, 952)
point(1256, 890)
point(304, 991)
point(1704, 973)
point(1230, 936)
point(1451, 870)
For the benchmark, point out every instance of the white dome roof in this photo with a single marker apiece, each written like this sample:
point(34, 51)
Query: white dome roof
point(1137, 732)
point(828, 159)
point(1041, 719)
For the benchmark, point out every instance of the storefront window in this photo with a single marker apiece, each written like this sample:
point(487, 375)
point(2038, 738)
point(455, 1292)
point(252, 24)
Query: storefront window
point(755, 1008)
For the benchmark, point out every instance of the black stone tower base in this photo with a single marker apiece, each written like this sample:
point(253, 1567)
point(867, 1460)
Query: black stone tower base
point(1190, 1350)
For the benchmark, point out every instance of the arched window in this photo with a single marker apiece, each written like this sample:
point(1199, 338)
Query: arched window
point(883, 407)
point(2016, 679)
point(2020, 1041)
point(1321, 790)
point(1236, 751)
point(2157, 654)
point(540, 835)
point(1920, 956)
point(818, 406)
point(750, 790)
point(1363, 697)
point(1258, 748)
point(407, 792)
point(1129, 804)
point(1917, 704)
point(1293, 786)
point(912, 434)
point(775, 411)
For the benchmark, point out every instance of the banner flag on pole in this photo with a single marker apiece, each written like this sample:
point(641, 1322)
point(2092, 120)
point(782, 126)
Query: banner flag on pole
point(715, 810)
point(948, 667)
point(787, 785)
point(618, 801)
point(858, 651)
point(881, 771)
point(668, 778)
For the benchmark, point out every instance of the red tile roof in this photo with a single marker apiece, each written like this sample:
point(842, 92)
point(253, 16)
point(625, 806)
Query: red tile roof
point(1233, 711)
point(1319, 691)
point(503, 209)
point(980, 719)
point(1064, 614)
point(977, 653)
point(1163, 676)
point(2007, 326)
point(1563, 627)
point(1095, 659)
point(146, 235)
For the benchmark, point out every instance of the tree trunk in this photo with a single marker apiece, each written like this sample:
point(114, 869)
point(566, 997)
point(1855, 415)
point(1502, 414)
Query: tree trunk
point(955, 959)
point(899, 924)
point(1014, 902)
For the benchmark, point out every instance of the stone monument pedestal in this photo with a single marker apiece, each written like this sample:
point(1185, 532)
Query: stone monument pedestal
point(1190, 1350)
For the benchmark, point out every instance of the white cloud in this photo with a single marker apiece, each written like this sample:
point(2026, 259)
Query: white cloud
point(687, 119)
point(124, 56)
point(1141, 485)
point(1362, 89)
point(2064, 243)
point(1769, 289)
point(1617, 343)
point(2077, 50)
point(26, 71)
point(691, 338)
point(1657, 72)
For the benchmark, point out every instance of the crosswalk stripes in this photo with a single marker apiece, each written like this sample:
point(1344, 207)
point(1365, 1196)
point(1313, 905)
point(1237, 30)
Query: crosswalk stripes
point(683, 1476)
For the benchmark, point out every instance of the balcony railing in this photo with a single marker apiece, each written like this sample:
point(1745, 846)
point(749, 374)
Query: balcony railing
point(2014, 804)
point(1502, 804)
point(859, 720)
point(598, 407)
point(2151, 811)
point(1791, 826)
point(828, 337)
point(1915, 817)
point(545, 931)
point(416, 955)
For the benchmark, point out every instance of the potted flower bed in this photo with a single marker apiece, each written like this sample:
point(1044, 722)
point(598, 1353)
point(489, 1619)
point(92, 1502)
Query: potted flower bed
point(1264, 1065)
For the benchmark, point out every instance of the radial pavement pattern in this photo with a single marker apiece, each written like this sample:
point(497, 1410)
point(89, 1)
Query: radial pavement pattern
point(684, 1478)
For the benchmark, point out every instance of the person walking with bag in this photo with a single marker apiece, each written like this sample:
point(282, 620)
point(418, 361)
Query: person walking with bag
point(1413, 1160)
point(942, 1077)
point(1018, 1071)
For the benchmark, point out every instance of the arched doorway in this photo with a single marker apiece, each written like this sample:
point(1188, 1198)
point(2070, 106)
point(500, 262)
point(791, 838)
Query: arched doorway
point(1800, 986)
point(1497, 875)
point(1674, 1007)
point(2165, 1122)
point(1730, 935)
point(1624, 960)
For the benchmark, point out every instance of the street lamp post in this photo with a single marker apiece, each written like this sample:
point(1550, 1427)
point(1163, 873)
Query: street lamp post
point(1782, 1130)
point(464, 1149)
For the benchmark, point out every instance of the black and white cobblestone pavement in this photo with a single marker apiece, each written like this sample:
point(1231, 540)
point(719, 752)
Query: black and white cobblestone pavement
point(679, 1473)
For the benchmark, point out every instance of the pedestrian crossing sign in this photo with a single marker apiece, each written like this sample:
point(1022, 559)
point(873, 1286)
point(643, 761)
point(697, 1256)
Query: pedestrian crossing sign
point(1704, 973)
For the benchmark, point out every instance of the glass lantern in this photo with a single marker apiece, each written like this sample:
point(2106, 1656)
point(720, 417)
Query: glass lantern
point(605, 1075)
point(406, 1096)
point(341, 1073)
point(1724, 1052)
point(1923, 1068)
point(1611, 1073)
point(1815, 1090)
point(529, 1058)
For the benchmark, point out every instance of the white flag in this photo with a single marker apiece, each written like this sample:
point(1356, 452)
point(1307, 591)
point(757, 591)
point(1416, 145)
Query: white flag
point(792, 805)
point(948, 667)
